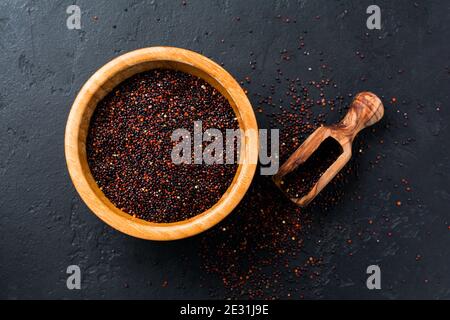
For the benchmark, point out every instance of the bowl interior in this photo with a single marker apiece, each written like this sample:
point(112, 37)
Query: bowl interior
point(97, 88)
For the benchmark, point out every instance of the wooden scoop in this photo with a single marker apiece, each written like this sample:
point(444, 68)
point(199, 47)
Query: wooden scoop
point(365, 110)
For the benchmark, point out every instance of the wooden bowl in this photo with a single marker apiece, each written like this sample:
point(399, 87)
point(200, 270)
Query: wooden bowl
point(108, 77)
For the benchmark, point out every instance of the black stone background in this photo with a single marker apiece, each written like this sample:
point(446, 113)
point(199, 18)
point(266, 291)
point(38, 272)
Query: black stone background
point(44, 226)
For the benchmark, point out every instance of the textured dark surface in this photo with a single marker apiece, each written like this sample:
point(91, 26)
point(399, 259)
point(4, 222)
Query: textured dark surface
point(44, 226)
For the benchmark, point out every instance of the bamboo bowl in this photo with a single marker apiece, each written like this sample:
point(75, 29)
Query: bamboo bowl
point(108, 77)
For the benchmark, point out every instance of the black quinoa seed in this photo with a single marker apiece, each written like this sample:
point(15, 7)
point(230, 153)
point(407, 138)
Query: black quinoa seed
point(299, 183)
point(129, 145)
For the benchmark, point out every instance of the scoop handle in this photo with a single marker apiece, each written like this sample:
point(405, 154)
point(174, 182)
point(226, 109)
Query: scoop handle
point(365, 110)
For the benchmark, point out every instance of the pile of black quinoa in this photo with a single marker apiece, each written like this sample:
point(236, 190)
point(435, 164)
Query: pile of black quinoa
point(129, 145)
point(299, 183)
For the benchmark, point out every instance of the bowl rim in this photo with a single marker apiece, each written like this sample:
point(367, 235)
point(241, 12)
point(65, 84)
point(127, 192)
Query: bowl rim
point(97, 86)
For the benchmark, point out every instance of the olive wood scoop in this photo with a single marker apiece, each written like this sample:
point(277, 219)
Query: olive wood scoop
point(365, 110)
